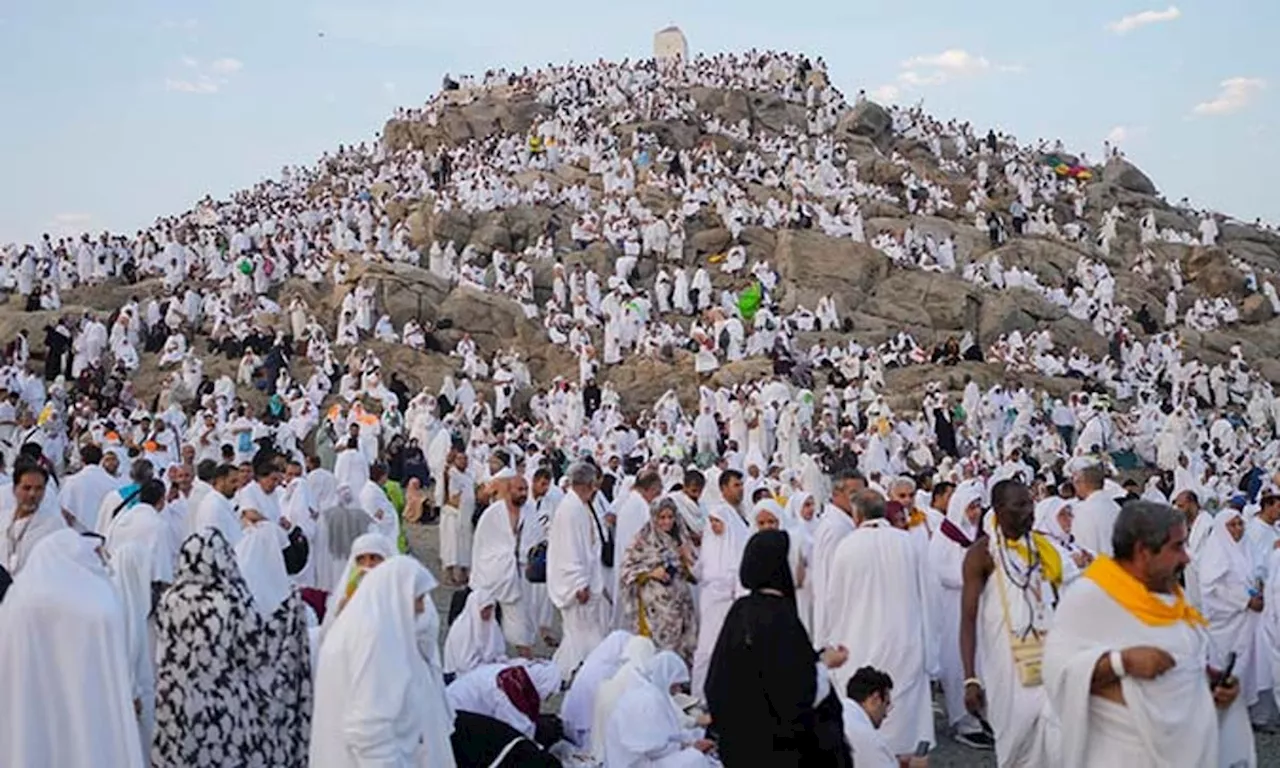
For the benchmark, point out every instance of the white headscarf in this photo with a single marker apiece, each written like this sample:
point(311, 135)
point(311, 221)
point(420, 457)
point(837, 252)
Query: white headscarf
point(371, 677)
point(722, 554)
point(471, 640)
point(962, 498)
point(365, 544)
point(260, 555)
point(602, 663)
point(1222, 557)
point(1047, 511)
point(65, 584)
point(637, 653)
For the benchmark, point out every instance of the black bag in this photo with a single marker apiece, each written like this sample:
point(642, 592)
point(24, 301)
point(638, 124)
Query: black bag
point(606, 540)
point(296, 554)
point(535, 567)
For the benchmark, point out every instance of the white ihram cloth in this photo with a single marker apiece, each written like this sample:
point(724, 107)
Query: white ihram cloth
point(1025, 728)
point(495, 570)
point(832, 528)
point(573, 563)
point(67, 698)
point(1168, 721)
point(83, 492)
point(879, 608)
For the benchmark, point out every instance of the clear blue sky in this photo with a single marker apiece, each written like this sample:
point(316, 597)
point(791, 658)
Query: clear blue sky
point(120, 111)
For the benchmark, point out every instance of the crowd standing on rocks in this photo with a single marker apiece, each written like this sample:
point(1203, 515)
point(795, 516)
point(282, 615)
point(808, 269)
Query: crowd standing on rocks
point(762, 409)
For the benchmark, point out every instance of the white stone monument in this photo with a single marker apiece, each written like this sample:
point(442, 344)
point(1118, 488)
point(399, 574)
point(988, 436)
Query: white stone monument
point(669, 45)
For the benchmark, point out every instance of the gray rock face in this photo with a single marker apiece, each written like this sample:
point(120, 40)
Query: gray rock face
point(867, 119)
point(1126, 175)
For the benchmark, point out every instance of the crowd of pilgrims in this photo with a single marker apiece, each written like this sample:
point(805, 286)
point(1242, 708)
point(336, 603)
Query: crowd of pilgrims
point(764, 571)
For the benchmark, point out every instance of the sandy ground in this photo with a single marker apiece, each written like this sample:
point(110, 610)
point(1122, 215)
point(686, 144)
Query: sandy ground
point(424, 544)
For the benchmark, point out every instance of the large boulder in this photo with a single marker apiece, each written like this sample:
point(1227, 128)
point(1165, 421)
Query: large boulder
point(1126, 175)
point(812, 265)
point(1213, 274)
point(930, 305)
point(866, 119)
point(466, 117)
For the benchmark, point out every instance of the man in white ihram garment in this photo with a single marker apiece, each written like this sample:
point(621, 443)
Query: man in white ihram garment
point(1012, 579)
point(877, 606)
point(495, 566)
point(836, 523)
point(82, 493)
point(1095, 514)
point(575, 574)
point(1126, 664)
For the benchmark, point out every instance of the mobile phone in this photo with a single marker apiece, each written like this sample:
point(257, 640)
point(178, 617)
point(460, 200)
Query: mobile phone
point(1225, 674)
point(922, 749)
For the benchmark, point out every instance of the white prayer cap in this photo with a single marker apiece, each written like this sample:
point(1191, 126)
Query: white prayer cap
point(506, 473)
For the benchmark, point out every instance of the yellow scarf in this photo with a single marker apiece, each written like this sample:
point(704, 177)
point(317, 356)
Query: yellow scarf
point(916, 518)
point(1134, 597)
point(1050, 559)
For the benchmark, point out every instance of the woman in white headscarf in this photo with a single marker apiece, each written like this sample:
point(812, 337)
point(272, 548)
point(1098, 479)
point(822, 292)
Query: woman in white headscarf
point(373, 695)
point(645, 728)
point(284, 650)
point(637, 653)
point(1232, 602)
point(947, 550)
point(1054, 517)
point(130, 573)
point(67, 698)
point(769, 516)
point(578, 706)
point(722, 543)
point(368, 551)
point(475, 638)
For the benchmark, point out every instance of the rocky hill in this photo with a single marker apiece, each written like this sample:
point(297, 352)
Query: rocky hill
point(879, 298)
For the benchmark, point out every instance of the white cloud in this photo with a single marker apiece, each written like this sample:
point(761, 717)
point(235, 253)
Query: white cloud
point(202, 84)
point(885, 94)
point(187, 24)
point(1236, 94)
point(206, 79)
point(937, 69)
point(389, 87)
point(226, 66)
point(1133, 21)
point(950, 63)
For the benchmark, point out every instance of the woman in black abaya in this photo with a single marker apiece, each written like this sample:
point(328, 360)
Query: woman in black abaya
point(767, 688)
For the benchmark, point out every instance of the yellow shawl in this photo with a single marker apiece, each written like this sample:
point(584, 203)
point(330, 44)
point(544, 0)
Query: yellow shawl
point(1134, 597)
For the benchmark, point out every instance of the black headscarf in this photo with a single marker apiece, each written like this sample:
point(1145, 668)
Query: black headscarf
point(762, 683)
